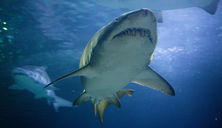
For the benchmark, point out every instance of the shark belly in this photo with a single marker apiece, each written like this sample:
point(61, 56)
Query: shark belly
point(118, 62)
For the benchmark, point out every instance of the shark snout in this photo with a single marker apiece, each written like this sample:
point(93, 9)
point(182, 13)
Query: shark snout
point(139, 23)
point(141, 17)
point(141, 13)
point(144, 12)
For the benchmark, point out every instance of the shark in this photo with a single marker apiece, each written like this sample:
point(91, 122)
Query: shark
point(33, 79)
point(210, 6)
point(119, 54)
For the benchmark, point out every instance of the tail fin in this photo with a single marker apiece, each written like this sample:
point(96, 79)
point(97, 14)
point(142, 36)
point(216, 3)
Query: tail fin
point(60, 102)
point(212, 7)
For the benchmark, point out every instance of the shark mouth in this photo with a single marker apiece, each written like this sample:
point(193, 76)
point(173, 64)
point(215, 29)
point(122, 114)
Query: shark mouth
point(134, 32)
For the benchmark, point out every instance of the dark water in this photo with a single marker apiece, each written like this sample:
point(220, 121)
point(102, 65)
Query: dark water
point(53, 33)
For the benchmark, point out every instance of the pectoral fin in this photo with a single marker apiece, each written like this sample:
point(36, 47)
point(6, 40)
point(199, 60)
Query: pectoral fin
point(84, 71)
point(122, 92)
point(151, 79)
point(84, 97)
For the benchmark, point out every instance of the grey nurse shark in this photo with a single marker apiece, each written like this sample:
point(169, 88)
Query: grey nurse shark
point(157, 6)
point(116, 55)
point(33, 79)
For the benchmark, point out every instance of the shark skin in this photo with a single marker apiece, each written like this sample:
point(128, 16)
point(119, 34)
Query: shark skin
point(33, 78)
point(116, 55)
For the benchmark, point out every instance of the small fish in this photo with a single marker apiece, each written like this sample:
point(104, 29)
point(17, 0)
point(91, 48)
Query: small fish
point(33, 78)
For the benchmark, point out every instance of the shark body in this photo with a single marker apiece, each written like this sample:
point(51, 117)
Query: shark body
point(158, 6)
point(119, 54)
point(33, 78)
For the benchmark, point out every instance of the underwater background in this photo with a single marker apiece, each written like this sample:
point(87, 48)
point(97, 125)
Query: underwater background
point(53, 33)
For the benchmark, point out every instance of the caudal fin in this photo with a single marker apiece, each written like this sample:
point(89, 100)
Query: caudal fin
point(60, 102)
point(212, 7)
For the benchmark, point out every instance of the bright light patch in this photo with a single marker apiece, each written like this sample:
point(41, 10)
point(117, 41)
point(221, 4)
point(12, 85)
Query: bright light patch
point(4, 28)
point(167, 54)
point(169, 50)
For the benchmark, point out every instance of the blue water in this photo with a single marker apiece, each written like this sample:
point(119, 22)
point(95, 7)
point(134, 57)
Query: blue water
point(54, 33)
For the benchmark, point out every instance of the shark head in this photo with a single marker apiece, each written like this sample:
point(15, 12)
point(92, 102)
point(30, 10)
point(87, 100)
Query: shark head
point(132, 31)
point(37, 73)
point(139, 26)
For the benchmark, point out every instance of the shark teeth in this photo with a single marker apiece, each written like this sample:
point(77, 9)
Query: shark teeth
point(134, 32)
